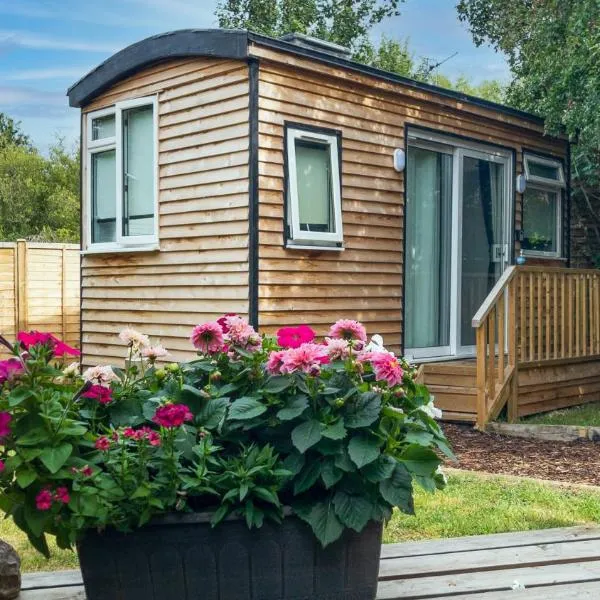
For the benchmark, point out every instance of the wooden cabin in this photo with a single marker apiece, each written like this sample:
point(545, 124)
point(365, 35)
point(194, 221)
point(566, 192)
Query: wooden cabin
point(225, 171)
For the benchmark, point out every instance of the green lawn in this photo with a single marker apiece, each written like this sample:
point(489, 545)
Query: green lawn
point(471, 504)
point(587, 414)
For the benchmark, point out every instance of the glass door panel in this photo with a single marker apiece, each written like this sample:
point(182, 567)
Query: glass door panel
point(483, 249)
point(428, 251)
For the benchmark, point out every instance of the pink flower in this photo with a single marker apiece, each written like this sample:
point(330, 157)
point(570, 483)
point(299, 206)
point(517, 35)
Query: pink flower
point(87, 471)
point(134, 339)
point(2, 466)
point(172, 415)
point(38, 338)
point(292, 337)
point(307, 358)
point(337, 348)
point(5, 419)
point(129, 432)
point(348, 329)
point(222, 321)
point(102, 443)
point(9, 368)
point(275, 362)
point(43, 501)
point(208, 337)
point(153, 353)
point(386, 368)
point(153, 438)
point(62, 495)
point(100, 374)
point(100, 393)
point(242, 334)
point(60, 348)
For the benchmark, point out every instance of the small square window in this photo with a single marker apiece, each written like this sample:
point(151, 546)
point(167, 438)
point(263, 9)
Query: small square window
point(314, 191)
point(103, 127)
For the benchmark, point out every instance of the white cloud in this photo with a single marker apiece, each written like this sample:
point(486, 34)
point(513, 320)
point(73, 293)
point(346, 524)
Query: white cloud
point(49, 73)
point(27, 39)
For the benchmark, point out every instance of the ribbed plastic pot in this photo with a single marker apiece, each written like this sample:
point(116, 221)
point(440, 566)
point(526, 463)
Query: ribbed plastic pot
point(180, 557)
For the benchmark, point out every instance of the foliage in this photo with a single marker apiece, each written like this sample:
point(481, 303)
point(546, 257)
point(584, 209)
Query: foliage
point(39, 196)
point(338, 431)
point(583, 415)
point(11, 134)
point(552, 48)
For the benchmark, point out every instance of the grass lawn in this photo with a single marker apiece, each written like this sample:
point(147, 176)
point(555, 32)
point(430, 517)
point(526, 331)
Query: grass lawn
point(587, 414)
point(471, 504)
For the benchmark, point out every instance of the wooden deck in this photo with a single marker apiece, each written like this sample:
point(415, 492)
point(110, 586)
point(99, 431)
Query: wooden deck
point(561, 564)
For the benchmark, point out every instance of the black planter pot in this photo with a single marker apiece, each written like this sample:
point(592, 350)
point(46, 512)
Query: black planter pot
point(180, 557)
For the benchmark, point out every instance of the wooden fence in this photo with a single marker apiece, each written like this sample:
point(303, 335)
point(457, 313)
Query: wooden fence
point(39, 289)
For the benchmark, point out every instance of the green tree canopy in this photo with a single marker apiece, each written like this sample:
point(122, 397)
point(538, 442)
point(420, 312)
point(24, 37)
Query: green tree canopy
point(11, 133)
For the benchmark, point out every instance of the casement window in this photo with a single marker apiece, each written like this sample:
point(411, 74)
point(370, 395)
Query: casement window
point(121, 207)
point(542, 206)
point(314, 204)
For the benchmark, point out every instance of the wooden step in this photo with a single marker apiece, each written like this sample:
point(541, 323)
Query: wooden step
point(451, 368)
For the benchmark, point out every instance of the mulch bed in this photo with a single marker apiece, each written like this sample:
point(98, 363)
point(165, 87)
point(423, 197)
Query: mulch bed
point(573, 462)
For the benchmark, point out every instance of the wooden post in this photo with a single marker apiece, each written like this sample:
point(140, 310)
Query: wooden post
point(481, 382)
point(63, 293)
point(21, 285)
point(513, 359)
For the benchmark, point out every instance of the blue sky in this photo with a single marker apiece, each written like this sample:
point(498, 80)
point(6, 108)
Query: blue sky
point(46, 45)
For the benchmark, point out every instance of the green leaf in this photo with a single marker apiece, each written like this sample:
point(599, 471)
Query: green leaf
point(246, 408)
point(342, 461)
point(379, 469)
point(88, 505)
point(36, 519)
point(219, 514)
point(212, 413)
point(266, 495)
point(420, 460)
point(293, 408)
point(33, 437)
point(330, 474)
point(363, 449)
point(73, 429)
point(12, 462)
point(142, 492)
point(306, 434)
point(423, 438)
point(126, 412)
point(30, 454)
point(54, 458)
point(294, 463)
point(19, 395)
point(337, 431)
point(363, 411)
point(353, 511)
point(191, 396)
point(397, 489)
point(26, 477)
point(322, 520)
point(277, 384)
point(307, 477)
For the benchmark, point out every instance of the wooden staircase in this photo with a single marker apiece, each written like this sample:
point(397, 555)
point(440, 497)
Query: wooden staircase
point(454, 387)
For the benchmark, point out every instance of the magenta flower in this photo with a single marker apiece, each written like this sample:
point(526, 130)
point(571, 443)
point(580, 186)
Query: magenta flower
point(102, 443)
point(2, 466)
point(9, 368)
point(87, 471)
point(43, 501)
point(348, 329)
point(172, 415)
point(292, 337)
point(39, 338)
point(100, 393)
point(275, 362)
point(62, 495)
point(5, 419)
point(208, 337)
point(222, 321)
point(386, 368)
point(307, 358)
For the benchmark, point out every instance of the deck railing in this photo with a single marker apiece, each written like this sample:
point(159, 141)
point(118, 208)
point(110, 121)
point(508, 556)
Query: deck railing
point(533, 316)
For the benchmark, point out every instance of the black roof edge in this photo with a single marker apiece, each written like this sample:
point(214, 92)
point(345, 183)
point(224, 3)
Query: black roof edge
point(220, 43)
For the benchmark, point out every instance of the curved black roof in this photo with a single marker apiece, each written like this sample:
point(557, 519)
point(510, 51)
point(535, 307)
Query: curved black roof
point(234, 43)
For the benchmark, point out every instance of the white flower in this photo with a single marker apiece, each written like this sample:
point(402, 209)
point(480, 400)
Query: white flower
point(430, 410)
point(440, 471)
point(72, 370)
point(134, 338)
point(100, 374)
point(376, 345)
point(517, 586)
point(153, 353)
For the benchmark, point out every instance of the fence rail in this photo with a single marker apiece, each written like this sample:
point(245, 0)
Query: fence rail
point(39, 289)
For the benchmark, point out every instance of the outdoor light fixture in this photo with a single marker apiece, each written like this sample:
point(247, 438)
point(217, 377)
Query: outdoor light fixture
point(399, 160)
point(521, 184)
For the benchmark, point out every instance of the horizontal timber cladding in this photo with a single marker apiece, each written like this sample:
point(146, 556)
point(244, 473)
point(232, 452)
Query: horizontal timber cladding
point(201, 270)
point(365, 280)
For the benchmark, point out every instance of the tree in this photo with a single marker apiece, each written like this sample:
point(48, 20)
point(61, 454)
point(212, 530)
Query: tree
point(553, 50)
point(11, 134)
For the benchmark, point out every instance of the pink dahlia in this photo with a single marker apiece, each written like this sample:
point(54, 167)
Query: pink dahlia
point(208, 337)
point(43, 501)
point(242, 334)
point(307, 358)
point(275, 362)
point(386, 368)
point(10, 368)
point(172, 415)
point(222, 321)
point(348, 329)
point(62, 495)
point(153, 353)
point(102, 443)
point(337, 348)
point(292, 337)
point(100, 393)
point(5, 419)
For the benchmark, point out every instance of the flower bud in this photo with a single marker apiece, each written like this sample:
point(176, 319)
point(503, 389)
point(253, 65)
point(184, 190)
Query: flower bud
point(173, 368)
point(215, 376)
point(339, 402)
point(160, 374)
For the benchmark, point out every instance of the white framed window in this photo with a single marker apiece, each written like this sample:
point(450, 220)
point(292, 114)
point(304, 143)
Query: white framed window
point(314, 199)
point(122, 162)
point(542, 206)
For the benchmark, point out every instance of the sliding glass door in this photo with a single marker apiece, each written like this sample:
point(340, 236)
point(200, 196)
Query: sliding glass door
point(457, 229)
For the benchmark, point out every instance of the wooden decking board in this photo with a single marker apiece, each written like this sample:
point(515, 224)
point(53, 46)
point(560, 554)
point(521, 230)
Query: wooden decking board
point(570, 591)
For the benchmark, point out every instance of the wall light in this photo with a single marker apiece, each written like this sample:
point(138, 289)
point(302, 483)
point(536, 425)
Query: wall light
point(521, 184)
point(399, 160)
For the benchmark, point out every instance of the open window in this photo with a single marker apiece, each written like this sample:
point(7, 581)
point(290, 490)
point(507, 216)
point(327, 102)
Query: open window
point(121, 206)
point(542, 206)
point(314, 205)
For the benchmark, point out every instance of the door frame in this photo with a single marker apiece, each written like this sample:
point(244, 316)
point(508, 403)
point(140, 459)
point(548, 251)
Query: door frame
point(460, 147)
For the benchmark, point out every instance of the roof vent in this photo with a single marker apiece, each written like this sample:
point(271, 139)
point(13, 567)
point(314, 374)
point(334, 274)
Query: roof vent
point(313, 43)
